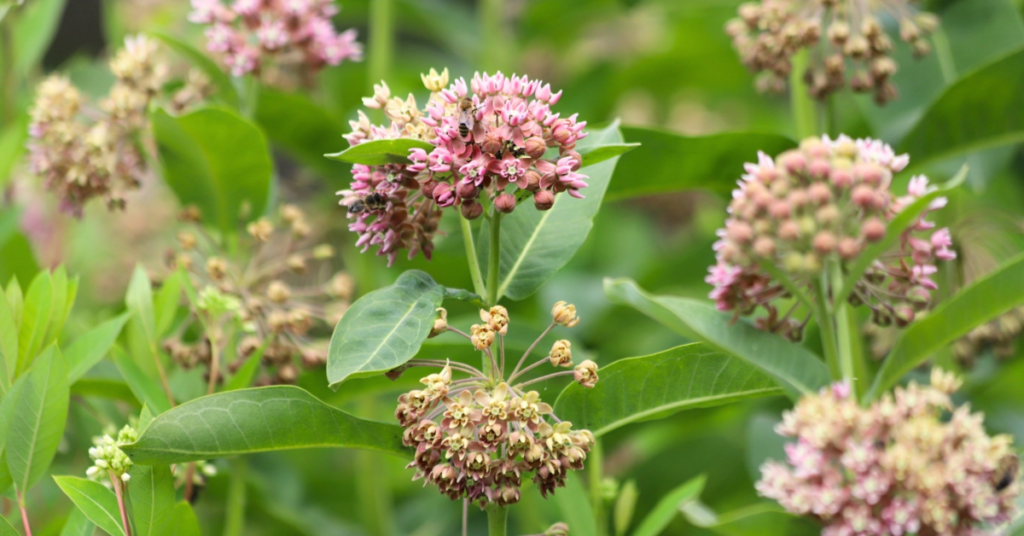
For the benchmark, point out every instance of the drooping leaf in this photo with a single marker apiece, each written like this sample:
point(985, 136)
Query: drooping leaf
point(656, 386)
point(257, 420)
point(151, 495)
point(574, 504)
point(982, 110)
point(596, 154)
point(980, 302)
point(225, 89)
point(667, 162)
point(380, 152)
point(384, 328)
point(37, 24)
point(302, 128)
point(90, 347)
point(216, 160)
point(668, 507)
point(185, 521)
point(78, 524)
point(39, 419)
point(536, 244)
point(35, 319)
point(146, 389)
point(796, 369)
point(95, 501)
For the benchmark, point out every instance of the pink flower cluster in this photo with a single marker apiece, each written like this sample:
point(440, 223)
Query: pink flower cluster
point(491, 146)
point(895, 468)
point(295, 37)
point(823, 203)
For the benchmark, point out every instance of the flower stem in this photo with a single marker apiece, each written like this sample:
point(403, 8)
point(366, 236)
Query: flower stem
point(804, 111)
point(24, 514)
point(844, 341)
point(119, 493)
point(826, 323)
point(471, 259)
point(545, 378)
point(595, 466)
point(530, 349)
point(497, 520)
point(494, 260)
point(234, 518)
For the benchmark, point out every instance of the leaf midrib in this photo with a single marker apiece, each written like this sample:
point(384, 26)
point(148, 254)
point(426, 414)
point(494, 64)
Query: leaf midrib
point(114, 520)
point(35, 434)
point(526, 248)
point(682, 403)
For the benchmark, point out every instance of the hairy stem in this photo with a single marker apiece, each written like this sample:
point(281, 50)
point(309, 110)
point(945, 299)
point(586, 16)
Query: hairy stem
point(375, 502)
point(497, 520)
point(494, 260)
point(24, 514)
point(465, 517)
point(471, 259)
point(234, 517)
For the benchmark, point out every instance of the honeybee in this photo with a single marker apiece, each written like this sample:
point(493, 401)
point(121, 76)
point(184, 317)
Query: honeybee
point(374, 201)
point(467, 117)
point(1007, 472)
point(512, 148)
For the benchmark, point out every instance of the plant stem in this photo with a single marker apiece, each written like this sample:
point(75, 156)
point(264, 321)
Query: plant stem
point(804, 112)
point(595, 467)
point(471, 259)
point(381, 40)
point(529, 350)
point(826, 323)
point(119, 493)
point(24, 514)
point(163, 374)
point(497, 520)
point(234, 518)
point(373, 492)
point(494, 260)
point(214, 359)
point(190, 473)
point(465, 517)
point(844, 342)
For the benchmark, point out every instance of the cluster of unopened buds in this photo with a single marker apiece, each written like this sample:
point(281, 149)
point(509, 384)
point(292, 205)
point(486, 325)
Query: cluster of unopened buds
point(477, 438)
point(109, 463)
point(276, 39)
point(491, 139)
point(99, 157)
point(836, 33)
point(907, 464)
point(277, 290)
point(825, 203)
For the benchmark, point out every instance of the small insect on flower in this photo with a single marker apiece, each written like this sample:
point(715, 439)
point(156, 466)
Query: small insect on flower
point(372, 202)
point(467, 117)
point(1007, 473)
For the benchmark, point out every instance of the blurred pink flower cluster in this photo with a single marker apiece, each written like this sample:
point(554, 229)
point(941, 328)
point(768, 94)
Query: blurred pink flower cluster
point(492, 139)
point(825, 202)
point(295, 37)
point(897, 467)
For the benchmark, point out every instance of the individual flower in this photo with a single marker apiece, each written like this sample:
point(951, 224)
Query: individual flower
point(281, 41)
point(846, 40)
point(490, 137)
point(477, 438)
point(270, 291)
point(561, 354)
point(902, 465)
point(818, 206)
point(99, 157)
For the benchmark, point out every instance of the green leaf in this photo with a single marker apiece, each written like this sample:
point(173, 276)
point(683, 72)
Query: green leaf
point(35, 319)
point(575, 506)
point(78, 524)
point(985, 299)
point(37, 24)
point(759, 519)
point(17, 259)
point(39, 418)
point(139, 301)
point(105, 388)
point(12, 146)
point(384, 328)
point(8, 343)
point(185, 521)
point(656, 386)
point(145, 418)
point(216, 160)
point(668, 507)
point(16, 299)
point(625, 507)
point(6, 529)
point(461, 294)
point(90, 347)
point(906, 218)
point(7, 407)
point(302, 128)
point(599, 153)
point(146, 389)
point(257, 420)
point(243, 378)
point(165, 305)
point(151, 495)
point(225, 89)
point(797, 370)
point(98, 503)
point(982, 110)
point(61, 295)
point(536, 244)
point(667, 162)
point(380, 152)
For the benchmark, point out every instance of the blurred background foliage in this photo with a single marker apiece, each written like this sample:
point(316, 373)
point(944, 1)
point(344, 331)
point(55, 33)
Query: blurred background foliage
point(664, 64)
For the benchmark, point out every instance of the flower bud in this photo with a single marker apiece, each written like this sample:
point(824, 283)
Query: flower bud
point(535, 147)
point(824, 242)
point(296, 264)
point(793, 262)
point(558, 529)
point(946, 382)
point(904, 315)
point(740, 232)
point(789, 230)
point(467, 190)
point(863, 196)
point(780, 210)
point(819, 169)
point(186, 240)
point(290, 213)
point(543, 199)
point(585, 374)
point(797, 198)
point(260, 229)
point(561, 354)
point(313, 358)
point(482, 336)
point(496, 318)
point(873, 230)
point(340, 286)
point(794, 162)
point(529, 181)
point(841, 178)
point(812, 264)
point(472, 210)
point(564, 314)
point(492, 143)
point(764, 247)
point(216, 268)
point(819, 193)
point(323, 252)
point(827, 215)
point(278, 292)
point(848, 248)
point(505, 203)
point(440, 323)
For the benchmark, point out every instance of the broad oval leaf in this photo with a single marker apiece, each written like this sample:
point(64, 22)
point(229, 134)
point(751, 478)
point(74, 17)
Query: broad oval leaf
point(668, 162)
point(95, 501)
point(185, 521)
point(536, 244)
point(257, 420)
point(89, 349)
point(797, 370)
point(38, 421)
point(668, 507)
point(78, 524)
point(380, 152)
point(384, 328)
point(982, 110)
point(302, 128)
point(151, 495)
point(643, 388)
point(225, 89)
point(976, 304)
point(216, 160)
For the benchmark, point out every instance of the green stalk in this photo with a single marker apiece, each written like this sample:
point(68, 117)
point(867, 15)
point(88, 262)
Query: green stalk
point(497, 41)
point(471, 259)
point(804, 109)
point(826, 324)
point(373, 492)
point(497, 520)
point(234, 518)
point(382, 29)
point(844, 341)
point(595, 468)
point(494, 260)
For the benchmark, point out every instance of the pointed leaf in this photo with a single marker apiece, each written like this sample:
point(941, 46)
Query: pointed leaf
point(145, 418)
point(243, 378)
point(8, 343)
point(78, 524)
point(302, 128)
point(59, 279)
point(39, 419)
point(668, 162)
point(105, 388)
point(185, 521)
point(95, 501)
point(151, 495)
point(985, 299)
point(384, 328)
point(166, 303)
point(35, 319)
point(37, 24)
point(656, 386)
point(139, 301)
point(596, 154)
point(225, 89)
point(668, 507)
point(573, 502)
point(89, 349)
point(257, 420)
point(797, 370)
point(536, 244)
point(146, 389)
point(16, 298)
point(380, 152)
